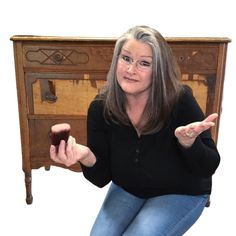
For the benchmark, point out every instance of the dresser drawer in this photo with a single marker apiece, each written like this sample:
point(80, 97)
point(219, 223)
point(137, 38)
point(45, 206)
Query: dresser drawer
point(196, 58)
point(57, 94)
point(68, 57)
point(40, 141)
point(71, 94)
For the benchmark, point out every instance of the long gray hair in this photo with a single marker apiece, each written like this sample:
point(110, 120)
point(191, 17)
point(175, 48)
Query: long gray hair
point(165, 86)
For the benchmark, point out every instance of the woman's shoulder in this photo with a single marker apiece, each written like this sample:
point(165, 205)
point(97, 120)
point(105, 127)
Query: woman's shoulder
point(95, 116)
point(187, 107)
point(186, 91)
point(96, 105)
point(186, 97)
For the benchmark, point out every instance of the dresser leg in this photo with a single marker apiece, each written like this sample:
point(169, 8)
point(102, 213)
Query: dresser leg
point(28, 182)
point(47, 167)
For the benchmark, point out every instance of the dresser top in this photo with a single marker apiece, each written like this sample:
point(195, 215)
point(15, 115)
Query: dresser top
point(110, 39)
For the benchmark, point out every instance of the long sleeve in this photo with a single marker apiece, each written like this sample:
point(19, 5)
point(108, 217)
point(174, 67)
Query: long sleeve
point(202, 157)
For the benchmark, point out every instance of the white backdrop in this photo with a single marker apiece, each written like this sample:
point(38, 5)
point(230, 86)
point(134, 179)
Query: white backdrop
point(64, 202)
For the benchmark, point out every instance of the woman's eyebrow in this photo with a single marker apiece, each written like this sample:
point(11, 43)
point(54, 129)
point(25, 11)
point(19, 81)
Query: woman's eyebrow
point(127, 51)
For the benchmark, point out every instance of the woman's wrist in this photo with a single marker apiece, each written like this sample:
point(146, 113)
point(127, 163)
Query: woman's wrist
point(88, 158)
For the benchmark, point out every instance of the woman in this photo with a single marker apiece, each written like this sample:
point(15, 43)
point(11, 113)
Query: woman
point(148, 137)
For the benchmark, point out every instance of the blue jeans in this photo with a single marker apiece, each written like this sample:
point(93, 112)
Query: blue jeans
point(127, 215)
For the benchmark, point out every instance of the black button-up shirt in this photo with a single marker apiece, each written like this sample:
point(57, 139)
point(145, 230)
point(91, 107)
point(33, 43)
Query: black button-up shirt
point(151, 165)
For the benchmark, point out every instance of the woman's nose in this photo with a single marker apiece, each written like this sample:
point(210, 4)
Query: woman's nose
point(132, 68)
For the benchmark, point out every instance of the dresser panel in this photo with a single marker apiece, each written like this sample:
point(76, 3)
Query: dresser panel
point(68, 57)
point(60, 93)
point(40, 139)
point(196, 58)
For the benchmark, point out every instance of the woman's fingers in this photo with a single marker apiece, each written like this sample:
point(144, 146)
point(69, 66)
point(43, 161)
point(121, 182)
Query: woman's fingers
point(69, 147)
point(61, 148)
point(52, 151)
point(187, 134)
point(54, 154)
point(211, 117)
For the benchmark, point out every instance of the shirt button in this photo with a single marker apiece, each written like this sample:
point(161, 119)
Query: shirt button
point(136, 160)
point(137, 151)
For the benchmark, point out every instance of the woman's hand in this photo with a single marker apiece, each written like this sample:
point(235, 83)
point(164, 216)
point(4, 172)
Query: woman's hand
point(70, 153)
point(187, 134)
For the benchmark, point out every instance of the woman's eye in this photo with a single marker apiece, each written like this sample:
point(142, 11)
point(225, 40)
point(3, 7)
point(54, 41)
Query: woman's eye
point(145, 63)
point(126, 58)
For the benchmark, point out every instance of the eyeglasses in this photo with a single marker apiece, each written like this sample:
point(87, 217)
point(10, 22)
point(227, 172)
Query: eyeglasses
point(141, 65)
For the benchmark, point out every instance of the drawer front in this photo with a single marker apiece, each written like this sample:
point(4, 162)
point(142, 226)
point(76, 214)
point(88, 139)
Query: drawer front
point(196, 58)
point(62, 94)
point(68, 57)
point(71, 94)
point(40, 141)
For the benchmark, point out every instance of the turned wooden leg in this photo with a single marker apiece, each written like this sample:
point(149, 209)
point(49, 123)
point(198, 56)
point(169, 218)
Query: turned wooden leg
point(28, 182)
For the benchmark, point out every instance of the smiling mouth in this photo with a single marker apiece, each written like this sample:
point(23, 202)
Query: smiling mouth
point(130, 79)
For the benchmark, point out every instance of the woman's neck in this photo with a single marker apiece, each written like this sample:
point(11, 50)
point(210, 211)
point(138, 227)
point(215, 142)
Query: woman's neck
point(134, 108)
point(134, 102)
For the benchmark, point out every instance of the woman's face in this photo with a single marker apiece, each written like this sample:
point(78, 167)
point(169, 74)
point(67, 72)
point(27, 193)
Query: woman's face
point(134, 68)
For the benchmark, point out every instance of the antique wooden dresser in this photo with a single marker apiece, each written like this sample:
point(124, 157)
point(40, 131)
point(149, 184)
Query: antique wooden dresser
point(57, 77)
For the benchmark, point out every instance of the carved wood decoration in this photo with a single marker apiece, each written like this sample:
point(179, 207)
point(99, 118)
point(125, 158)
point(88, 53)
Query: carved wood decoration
point(57, 78)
